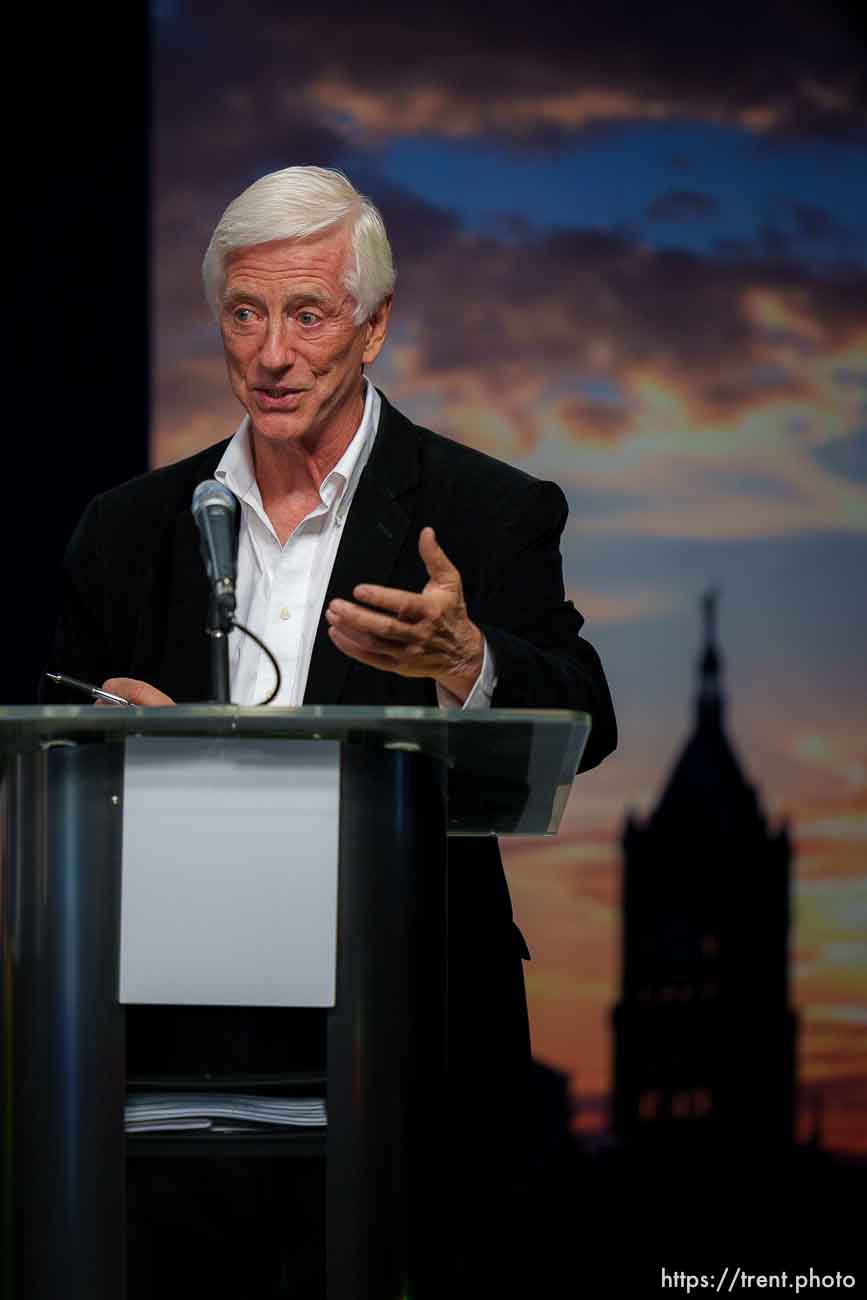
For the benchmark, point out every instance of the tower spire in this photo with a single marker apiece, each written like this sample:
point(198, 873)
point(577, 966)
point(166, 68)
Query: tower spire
point(710, 695)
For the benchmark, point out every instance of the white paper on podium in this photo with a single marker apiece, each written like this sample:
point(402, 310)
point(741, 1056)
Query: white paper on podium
point(229, 872)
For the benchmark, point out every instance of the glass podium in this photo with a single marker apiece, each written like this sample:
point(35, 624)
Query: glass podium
point(408, 780)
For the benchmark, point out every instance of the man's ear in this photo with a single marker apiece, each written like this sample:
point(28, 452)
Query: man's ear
point(377, 328)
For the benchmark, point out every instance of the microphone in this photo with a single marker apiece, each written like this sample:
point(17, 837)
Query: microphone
point(214, 508)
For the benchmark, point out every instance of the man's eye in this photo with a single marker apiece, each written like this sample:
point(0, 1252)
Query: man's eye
point(308, 318)
point(243, 315)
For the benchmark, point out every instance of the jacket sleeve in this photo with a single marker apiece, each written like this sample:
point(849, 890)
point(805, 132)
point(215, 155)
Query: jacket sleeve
point(81, 646)
point(533, 631)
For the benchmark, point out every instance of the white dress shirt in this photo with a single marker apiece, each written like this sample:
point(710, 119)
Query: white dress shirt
point(281, 588)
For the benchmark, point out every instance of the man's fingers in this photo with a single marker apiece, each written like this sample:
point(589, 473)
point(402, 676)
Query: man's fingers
point(437, 563)
point(354, 620)
point(392, 650)
point(357, 651)
point(140, 693)
point(409, 606)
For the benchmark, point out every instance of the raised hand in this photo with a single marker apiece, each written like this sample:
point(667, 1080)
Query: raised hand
point(420, 634)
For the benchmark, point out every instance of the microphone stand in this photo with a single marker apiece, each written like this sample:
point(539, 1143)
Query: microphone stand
point(217, 631)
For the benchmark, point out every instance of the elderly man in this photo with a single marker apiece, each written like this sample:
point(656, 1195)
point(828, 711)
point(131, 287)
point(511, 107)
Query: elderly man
point(382, 563)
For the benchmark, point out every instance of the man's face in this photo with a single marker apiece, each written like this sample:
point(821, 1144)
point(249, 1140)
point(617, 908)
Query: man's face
point(293, 354)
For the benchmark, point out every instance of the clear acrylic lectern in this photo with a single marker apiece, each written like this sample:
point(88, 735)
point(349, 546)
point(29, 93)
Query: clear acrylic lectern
point(408, 779)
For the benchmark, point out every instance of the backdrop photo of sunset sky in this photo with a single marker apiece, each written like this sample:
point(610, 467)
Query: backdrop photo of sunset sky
point(632, 257)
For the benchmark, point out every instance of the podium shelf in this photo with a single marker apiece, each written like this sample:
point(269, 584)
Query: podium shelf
point(304, 1145)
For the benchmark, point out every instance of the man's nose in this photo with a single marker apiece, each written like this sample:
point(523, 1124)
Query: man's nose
point(278, 349)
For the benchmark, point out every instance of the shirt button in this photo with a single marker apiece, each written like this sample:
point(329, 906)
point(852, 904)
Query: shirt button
point(284, 613)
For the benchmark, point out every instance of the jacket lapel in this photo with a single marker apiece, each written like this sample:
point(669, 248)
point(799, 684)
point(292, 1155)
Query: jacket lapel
point(373, 535)
point(187, 655)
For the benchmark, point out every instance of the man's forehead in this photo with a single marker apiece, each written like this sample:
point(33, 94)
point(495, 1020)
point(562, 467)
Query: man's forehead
point(323, 255)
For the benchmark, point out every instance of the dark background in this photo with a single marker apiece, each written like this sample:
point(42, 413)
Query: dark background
point(79, 335)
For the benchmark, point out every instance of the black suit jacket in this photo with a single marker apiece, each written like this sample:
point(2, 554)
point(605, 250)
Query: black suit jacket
point(135, 604)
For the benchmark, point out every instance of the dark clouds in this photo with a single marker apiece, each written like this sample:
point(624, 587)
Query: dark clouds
point(595, 304)
point(777, 68)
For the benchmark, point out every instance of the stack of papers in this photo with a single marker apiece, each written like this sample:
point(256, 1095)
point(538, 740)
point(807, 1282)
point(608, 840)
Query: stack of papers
point(221, 1112)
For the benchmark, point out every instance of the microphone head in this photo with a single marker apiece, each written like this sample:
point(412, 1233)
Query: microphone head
point(214, 509)
point(213, 493)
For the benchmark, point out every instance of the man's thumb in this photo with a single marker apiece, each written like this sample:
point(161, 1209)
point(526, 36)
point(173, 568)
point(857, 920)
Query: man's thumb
point(437, 563)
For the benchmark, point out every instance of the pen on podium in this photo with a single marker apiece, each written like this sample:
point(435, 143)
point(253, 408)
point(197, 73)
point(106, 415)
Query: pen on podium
point(60, 679)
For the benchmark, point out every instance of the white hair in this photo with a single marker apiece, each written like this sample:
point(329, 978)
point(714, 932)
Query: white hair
point(296, 203)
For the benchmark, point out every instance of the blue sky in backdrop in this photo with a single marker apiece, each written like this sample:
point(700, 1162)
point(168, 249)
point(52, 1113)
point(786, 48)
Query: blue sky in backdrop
point(632, 257)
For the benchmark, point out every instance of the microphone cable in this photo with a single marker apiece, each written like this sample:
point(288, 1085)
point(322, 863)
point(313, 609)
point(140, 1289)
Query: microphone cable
point(262, 646)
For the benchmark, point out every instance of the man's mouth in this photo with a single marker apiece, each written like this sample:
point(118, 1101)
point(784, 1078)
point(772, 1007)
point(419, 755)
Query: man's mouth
point(278, 397)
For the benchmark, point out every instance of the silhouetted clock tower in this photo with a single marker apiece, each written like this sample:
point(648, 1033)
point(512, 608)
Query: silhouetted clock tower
point(704, 1039)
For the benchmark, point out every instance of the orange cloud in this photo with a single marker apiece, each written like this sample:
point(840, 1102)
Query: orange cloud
point(592, 421)
point(193, 408)
point(423, 105)
point(844, 756)
point(427, 108)
point(603, 607)
point(695, 387)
